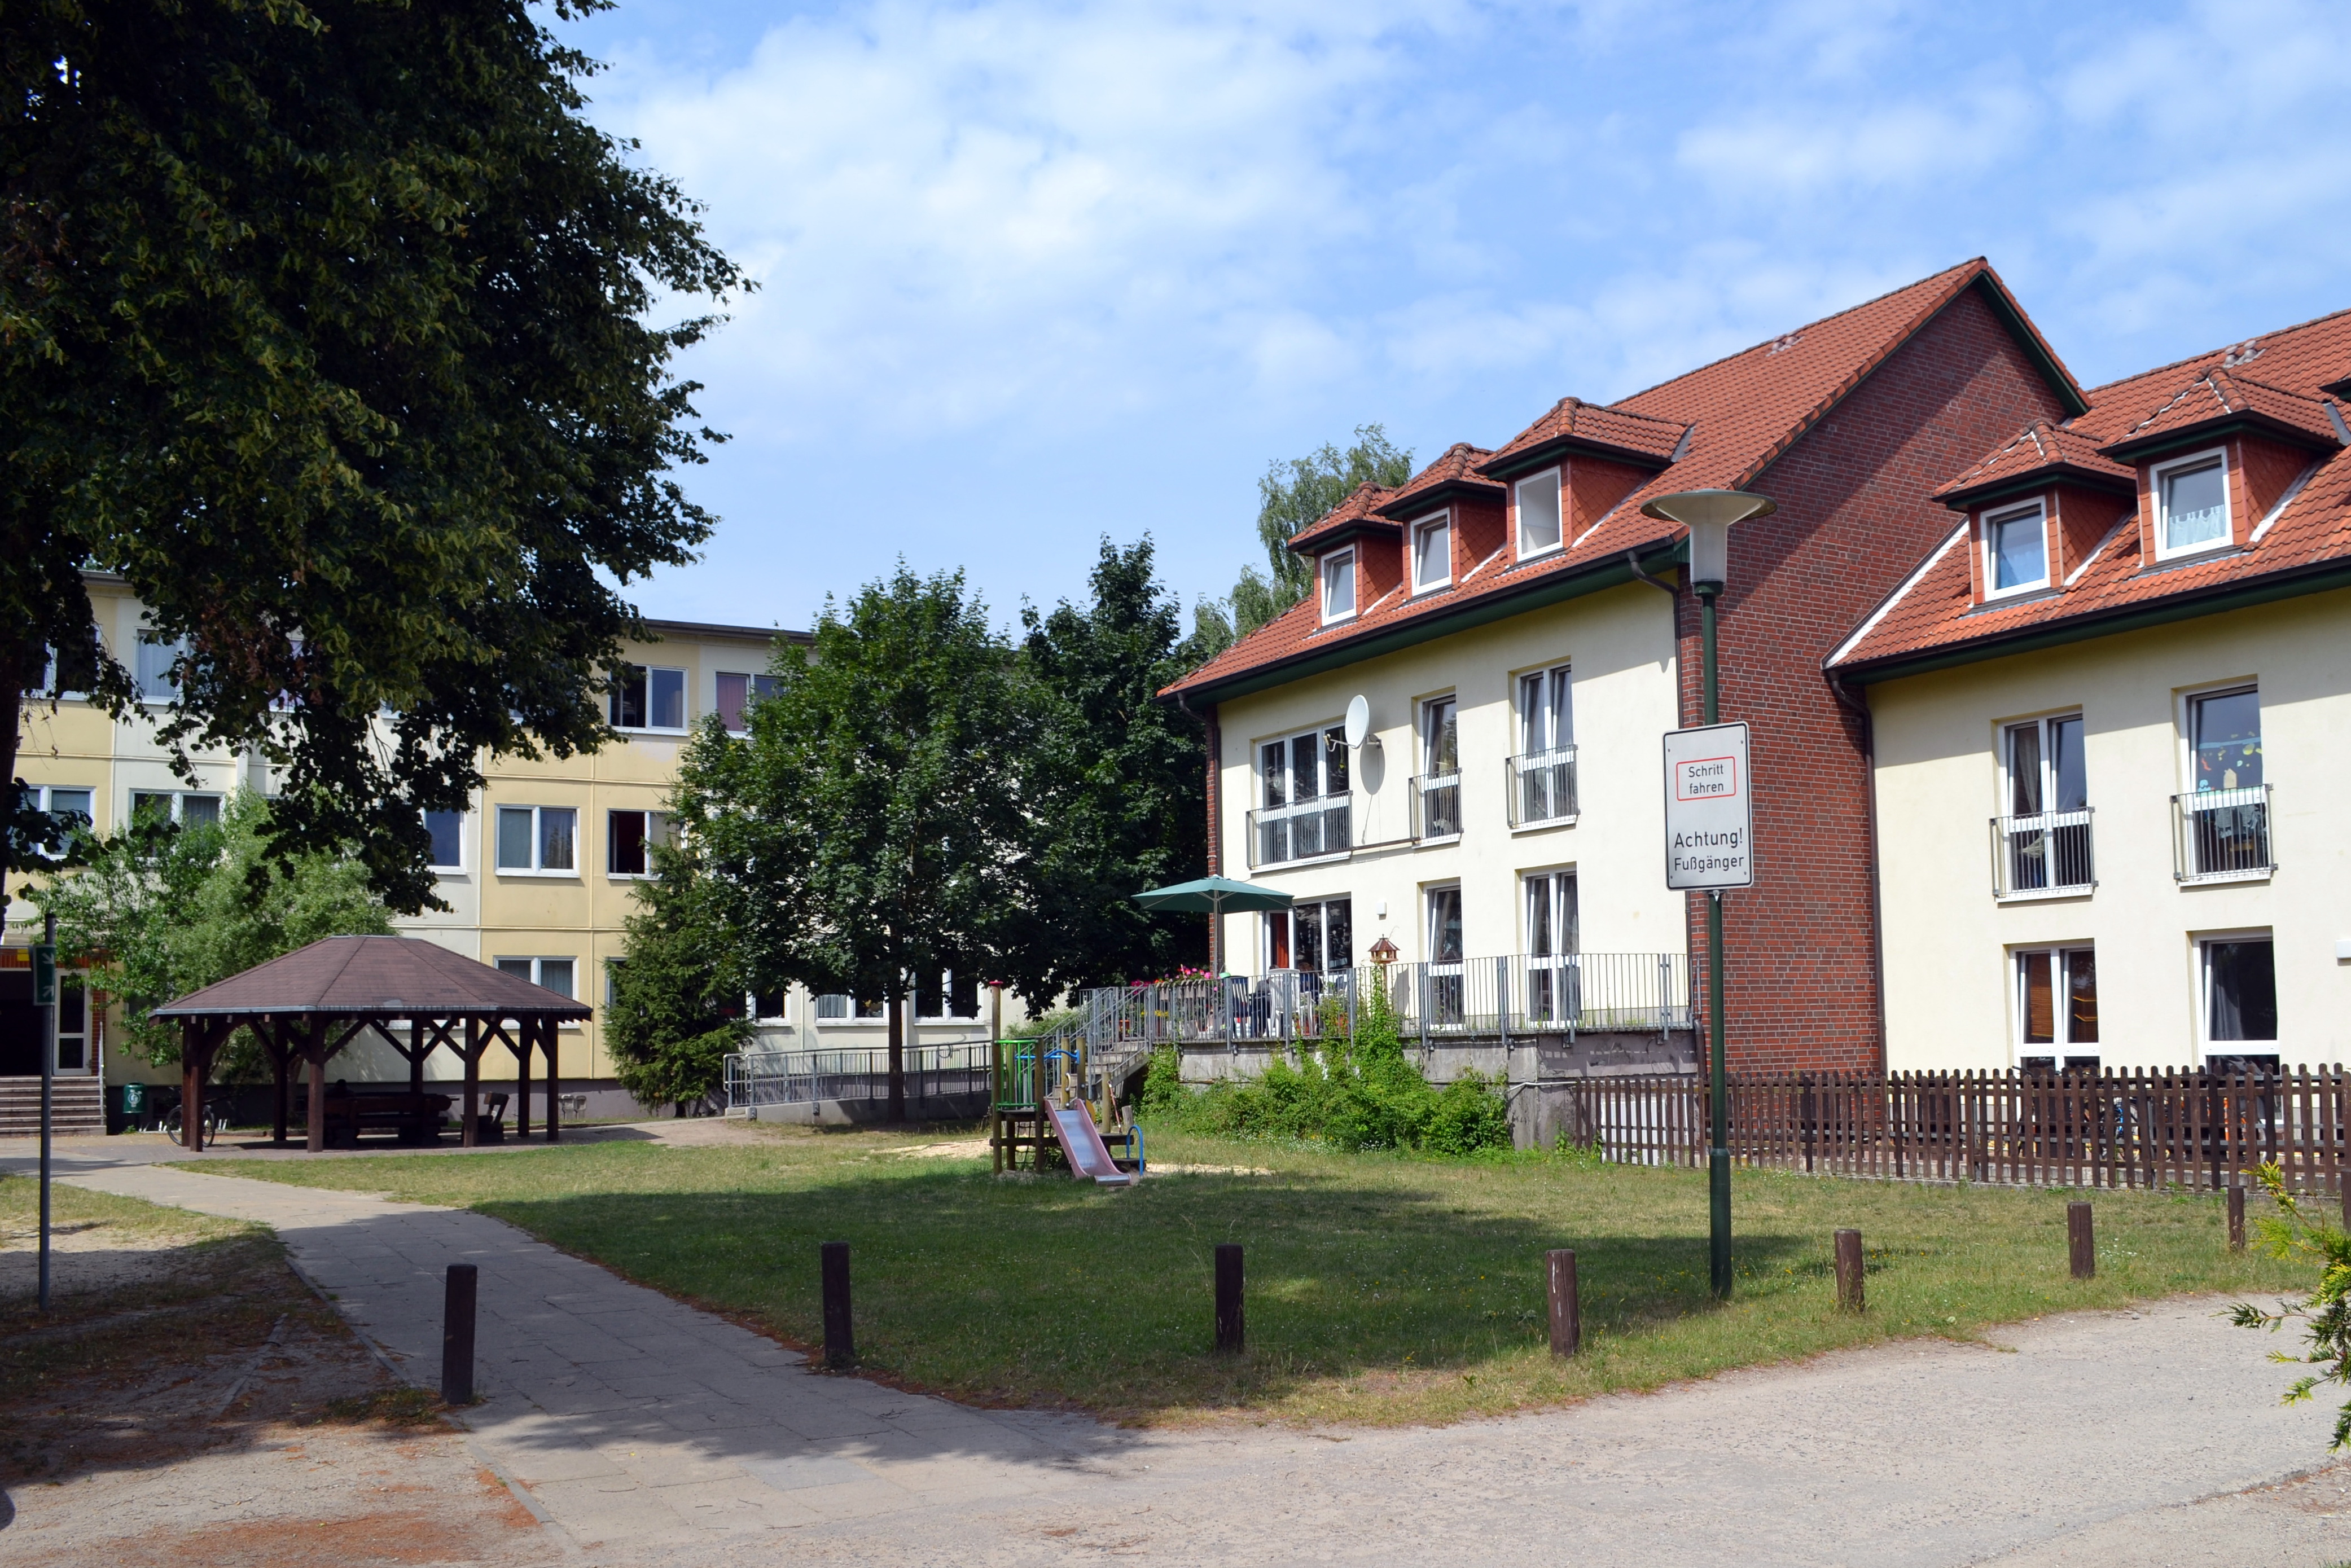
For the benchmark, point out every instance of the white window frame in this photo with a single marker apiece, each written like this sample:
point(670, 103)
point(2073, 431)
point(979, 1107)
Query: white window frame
point(2040, 510)
point(2155, 474)
point(538, 843)
point(1435, 522)
point(646, 673)
point(538, 963)
point(179, 798)
point(41, 797)
point(2203, 944)
point(1426, 776)
point(751, 680)
point(783, 1013)
point(460, 868)
point(2059, 998)
point(172, 651)
point(1329, 568)
point(1558, 476)
point(1321, 734)
point(612, 843)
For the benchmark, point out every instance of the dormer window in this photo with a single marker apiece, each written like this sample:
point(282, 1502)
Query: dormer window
point(1539, 514)
point(2192, 504)
point(2016, 550)
point(1338, 586)
point(1432, 552)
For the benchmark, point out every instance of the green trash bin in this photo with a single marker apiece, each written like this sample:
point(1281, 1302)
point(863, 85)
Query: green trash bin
point(131, 1106)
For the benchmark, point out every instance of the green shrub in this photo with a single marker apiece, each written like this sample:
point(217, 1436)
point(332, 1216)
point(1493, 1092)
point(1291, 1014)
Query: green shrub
point(1357, 1091)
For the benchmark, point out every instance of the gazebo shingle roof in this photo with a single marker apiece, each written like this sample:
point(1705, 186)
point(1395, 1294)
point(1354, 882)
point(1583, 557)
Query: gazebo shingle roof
point(354, 977)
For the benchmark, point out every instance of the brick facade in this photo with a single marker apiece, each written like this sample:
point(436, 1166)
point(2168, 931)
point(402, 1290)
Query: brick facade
point(1856, 518)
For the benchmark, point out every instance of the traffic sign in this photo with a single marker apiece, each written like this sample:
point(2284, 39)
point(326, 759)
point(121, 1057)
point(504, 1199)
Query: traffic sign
point(1709, 809)
point(45, 975)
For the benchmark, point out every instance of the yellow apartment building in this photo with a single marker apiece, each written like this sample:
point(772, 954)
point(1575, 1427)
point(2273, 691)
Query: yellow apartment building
point(538, 877)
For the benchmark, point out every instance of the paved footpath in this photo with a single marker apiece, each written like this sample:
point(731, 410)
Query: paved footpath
point(647, 1431)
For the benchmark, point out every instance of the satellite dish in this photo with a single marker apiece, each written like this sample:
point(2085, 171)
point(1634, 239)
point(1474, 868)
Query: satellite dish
point(1359, 720)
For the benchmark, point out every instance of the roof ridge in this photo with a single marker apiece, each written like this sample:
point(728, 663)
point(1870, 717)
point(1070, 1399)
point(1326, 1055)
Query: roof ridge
point(2207, 354)
point(1982, 264)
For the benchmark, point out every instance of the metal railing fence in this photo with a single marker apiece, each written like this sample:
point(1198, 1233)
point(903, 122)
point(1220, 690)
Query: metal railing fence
point(1310, 829)
point(2222, 833)
point(1436, 805)
point(1542, 786)
point(935, 1071)
point(2044, 852)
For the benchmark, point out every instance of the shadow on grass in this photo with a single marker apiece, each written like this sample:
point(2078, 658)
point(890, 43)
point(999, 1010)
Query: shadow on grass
point(1047, 1292)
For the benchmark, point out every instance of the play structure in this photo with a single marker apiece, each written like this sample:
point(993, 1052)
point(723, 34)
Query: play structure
point(1041, 1118)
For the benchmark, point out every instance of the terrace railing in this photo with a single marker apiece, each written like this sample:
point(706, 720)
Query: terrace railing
point(1543, 787)
point(1311, 830)
point(2047, 852)
point(2221, 835)
point(1436, 806)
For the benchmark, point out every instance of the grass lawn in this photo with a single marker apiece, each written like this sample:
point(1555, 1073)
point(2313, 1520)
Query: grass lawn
point(1382, 1288)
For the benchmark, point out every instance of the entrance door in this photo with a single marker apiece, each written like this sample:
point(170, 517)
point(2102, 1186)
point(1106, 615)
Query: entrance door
point(20, 1026)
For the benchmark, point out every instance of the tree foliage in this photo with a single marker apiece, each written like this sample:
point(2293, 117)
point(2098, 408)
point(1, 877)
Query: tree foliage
point(1119, 781)
point(1293, 496)
point(678, 997)
point(871, 827)
point(2324, 1315)
point(324, 325)
point(164, 910)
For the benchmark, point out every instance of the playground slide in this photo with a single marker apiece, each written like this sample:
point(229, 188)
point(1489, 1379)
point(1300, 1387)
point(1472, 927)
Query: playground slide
point(1081, 1142)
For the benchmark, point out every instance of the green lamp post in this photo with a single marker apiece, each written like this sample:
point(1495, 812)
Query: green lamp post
point(1709, 514)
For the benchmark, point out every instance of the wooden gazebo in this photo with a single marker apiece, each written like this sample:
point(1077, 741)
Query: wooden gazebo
point(312, 1002)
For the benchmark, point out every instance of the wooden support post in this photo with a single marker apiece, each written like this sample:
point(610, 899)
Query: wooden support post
point(417, 1050)
point(1566, 1305)
point(546, 1040)
point(2236, 1216)
point(1232, 1330)
point(839, 1333)
point(522, 1080)
point(314, 1057)
point(457, 1334)
point(467, 1130)
point(2080, 1248)
point(194, 1058)
point(281, 1066)
point(1849, 1272)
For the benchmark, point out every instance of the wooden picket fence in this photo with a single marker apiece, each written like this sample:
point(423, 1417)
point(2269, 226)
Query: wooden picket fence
point(2147, 1129)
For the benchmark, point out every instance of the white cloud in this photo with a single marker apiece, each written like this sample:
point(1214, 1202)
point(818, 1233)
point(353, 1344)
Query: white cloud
point(958, 214)
point(1816, 148)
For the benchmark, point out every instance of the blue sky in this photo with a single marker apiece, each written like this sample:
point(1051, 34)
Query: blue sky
point(1032, 273)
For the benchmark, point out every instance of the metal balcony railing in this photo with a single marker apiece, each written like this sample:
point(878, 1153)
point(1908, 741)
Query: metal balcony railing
point(2220, 834)
point(1311, 830)
point(2045, 852)
point(1543, 787)
point(1436, 806)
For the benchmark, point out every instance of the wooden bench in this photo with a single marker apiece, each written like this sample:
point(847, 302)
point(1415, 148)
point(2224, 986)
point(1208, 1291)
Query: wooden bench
point(415, 1118)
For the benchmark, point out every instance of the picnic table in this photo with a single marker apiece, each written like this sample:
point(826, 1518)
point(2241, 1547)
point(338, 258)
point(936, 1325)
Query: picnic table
point(416, 1118)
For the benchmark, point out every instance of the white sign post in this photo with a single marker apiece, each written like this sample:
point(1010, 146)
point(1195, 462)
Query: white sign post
point(1709, 809)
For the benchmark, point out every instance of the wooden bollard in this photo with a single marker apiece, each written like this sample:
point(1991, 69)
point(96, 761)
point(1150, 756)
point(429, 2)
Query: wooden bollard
point(2236, 1217)
point(457, 1334)
point(1849, 1272)
point(1231, 1332)
point(840, 1337)
point(2080, 1248)
point(1566, 1307)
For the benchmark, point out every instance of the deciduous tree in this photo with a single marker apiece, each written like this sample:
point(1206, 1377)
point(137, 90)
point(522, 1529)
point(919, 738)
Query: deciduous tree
point(325, 324)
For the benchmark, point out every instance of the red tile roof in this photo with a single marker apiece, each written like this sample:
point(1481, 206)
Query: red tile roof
point(1571, 422)
point(1452, 474)
point(1730, 419)
point(2040, 451)
point(2218, 398)
point(1362, 504)
point(2306, 538)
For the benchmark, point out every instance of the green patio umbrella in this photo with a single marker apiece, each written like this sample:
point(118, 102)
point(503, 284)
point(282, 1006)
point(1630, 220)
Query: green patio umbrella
point(1213, 895)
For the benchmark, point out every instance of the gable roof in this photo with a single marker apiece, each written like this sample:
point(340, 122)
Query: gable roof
point(1733, 419)
point(1451, 477)
point(1345, 520)
point(1572, 424)
point(2041, 453)
point(2302, 546)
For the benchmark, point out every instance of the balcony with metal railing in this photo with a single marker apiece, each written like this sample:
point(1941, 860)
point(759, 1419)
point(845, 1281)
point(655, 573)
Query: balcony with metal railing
point(2222, 835)
point(2042, 854)
point(1436, 807)
point(1318, 828)
point(1542, 787)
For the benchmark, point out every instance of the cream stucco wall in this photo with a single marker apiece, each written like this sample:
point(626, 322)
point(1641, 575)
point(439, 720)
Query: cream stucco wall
point(1621, 646)
point(493, 915)
point(1950, 1000)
